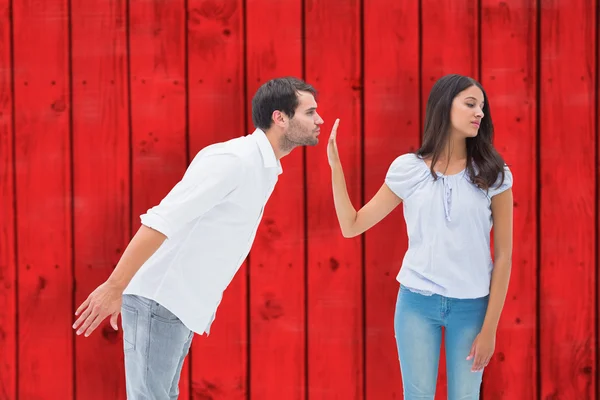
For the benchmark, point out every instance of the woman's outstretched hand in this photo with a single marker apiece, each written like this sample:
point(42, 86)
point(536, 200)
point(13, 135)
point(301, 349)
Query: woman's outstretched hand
point(332, 150)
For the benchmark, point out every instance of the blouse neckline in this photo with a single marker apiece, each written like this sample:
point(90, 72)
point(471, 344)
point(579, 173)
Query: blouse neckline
point(460, 173)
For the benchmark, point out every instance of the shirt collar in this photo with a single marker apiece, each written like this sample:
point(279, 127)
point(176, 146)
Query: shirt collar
point(266, 151)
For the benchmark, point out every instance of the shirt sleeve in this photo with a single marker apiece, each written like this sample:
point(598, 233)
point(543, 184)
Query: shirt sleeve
point(404, 175)
point(206, 182)
point(498, 188)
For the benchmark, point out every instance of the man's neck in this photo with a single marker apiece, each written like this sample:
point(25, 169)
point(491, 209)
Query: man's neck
point(275, 141)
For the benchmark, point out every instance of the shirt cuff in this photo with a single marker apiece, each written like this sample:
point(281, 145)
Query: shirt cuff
point(157, 223)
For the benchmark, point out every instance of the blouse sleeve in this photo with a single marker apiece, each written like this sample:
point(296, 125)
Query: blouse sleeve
point(498, 188)
point(404, 174)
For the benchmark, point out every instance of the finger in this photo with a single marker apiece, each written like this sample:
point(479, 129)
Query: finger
point(113, 321)
point(94, 325)
point(334, 129)
point(88, 321)
point(335, 125)
point(477, 365)
point(82, 318)
point(83, 306)
point(481, 363)
point(472, 351)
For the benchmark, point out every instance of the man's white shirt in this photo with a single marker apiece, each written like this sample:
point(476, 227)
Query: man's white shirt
point(210, 219)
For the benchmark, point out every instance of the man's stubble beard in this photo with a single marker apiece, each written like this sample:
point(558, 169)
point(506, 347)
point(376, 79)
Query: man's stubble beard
point(288, 141)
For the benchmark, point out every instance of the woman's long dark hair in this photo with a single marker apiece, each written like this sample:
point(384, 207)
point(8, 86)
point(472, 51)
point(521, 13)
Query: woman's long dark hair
point(480, 151)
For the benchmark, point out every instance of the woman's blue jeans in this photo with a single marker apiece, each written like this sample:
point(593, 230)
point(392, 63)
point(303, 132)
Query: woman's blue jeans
point(418, 327)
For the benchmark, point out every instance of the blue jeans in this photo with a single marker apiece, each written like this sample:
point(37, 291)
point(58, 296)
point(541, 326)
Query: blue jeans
point(155, 343)
point(418, 327)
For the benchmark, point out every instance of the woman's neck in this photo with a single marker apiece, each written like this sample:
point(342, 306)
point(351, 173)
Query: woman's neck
point(455, 150)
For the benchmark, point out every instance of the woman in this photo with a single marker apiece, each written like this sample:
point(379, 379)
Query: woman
point(454, 189)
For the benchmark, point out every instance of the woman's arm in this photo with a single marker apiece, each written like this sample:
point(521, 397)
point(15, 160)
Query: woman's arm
point(353, 223)
point(502, 215)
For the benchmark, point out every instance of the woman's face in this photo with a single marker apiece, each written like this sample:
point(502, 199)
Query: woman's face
point(467, 112)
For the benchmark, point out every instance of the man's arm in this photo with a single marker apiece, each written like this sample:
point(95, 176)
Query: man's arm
point(206, 183)
point(106, 299)
point(145, 243)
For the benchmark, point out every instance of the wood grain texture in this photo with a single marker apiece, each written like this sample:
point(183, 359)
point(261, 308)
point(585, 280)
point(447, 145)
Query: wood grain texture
point(158, 109)
point(277, 262)
point(217, 113)
point(8, 266)
point(303, 318)
point(335, 268)
point(101, 179)
point(43, 191)
point(567, 202)
point(391, 43)
point(509, 78)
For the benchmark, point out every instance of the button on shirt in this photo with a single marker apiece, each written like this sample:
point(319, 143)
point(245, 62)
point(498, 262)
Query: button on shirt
point(448, 222)
point(210, 220)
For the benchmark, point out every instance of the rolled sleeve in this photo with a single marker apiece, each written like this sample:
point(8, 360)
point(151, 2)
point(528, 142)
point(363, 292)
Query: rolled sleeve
point(207, 181)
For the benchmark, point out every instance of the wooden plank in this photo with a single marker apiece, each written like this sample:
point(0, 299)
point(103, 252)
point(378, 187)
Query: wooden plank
point(217, 113)
point(509, 78)
point(447, 48)
point(277, 262)
point(158, 101)
point(8, 267)
point(391, 99)
point(335, 270)
point(567, 150)
point(43, 194)
point(101, 179)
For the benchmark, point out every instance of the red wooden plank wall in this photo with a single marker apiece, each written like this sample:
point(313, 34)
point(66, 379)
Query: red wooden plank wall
point(335, 272)
point(388, 85)
point(510, 79)
point(217, 112)
point(101, 177)
point(43, 140)
point(568, 154)
point(277, 264)
point(103, 105)
point(8, 306)
point(157, 79)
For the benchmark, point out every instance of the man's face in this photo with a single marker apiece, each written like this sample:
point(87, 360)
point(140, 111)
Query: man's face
point(304, 128)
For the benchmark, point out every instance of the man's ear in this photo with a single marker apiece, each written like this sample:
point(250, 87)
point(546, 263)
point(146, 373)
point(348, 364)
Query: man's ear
point(279, 118)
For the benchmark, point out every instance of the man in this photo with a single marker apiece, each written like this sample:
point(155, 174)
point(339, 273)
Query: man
point(170, 279)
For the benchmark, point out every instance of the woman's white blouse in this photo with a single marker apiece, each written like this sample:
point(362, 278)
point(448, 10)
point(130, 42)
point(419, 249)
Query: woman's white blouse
point(449, 222)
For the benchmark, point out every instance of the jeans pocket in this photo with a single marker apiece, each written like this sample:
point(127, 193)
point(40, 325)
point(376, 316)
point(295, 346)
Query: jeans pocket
point(162, 314)
point(129, 318)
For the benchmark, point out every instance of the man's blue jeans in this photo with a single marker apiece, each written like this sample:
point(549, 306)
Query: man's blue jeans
point(155, 343)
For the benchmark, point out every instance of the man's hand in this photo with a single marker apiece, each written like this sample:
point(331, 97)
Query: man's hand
point(102, 302)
